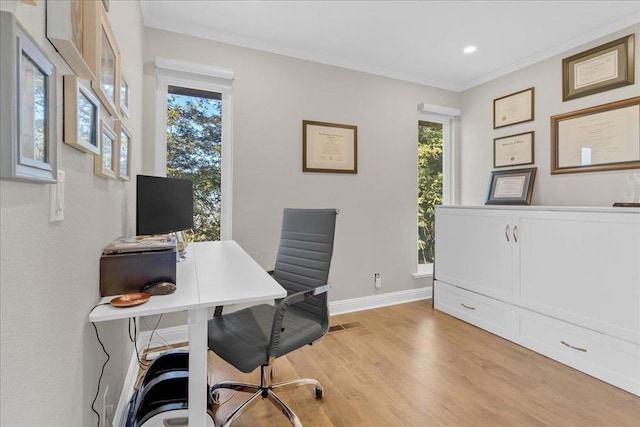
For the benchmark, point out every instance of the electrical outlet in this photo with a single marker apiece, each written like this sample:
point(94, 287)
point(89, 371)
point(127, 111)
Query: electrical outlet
point(377, 280)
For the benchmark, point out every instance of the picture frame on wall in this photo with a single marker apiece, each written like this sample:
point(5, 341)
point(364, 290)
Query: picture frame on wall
point(605, 67)
point(514, 108)
point(69, 27)
point(81, 116)
point(513, 150)
point(106, 163)
point(600, 138)
point(124, 152)
point(125, 96)
point(106, 67)
point(28, 142)
point(511, 187)
point(329, 147)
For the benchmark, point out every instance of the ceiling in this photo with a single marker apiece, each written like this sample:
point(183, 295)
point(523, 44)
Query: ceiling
point(416, 41)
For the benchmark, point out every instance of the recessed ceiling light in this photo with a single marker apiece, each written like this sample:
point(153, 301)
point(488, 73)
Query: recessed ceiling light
point(469, 49)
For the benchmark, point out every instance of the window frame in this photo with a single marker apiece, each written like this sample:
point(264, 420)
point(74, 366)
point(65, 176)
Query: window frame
point(170, 72)
point(448, 118)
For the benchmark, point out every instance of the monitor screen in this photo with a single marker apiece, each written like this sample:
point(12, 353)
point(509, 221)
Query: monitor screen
point(163, 205)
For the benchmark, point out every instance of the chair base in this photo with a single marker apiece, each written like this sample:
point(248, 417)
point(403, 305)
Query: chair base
point(265, 391)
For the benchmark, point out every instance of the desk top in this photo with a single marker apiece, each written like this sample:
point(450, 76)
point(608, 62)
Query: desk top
point(214, 273)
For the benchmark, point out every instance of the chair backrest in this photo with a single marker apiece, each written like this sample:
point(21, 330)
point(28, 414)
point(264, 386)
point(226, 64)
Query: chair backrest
point(304, 255)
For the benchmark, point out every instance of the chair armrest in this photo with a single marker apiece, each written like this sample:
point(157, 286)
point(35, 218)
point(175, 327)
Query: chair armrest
point(281, 309)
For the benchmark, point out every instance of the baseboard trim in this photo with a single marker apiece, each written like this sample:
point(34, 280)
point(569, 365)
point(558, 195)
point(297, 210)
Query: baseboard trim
point(381, 300)
point(179, 334)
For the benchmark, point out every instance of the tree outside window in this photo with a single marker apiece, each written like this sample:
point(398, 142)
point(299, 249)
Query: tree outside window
point(429, 186)
point(194, 151)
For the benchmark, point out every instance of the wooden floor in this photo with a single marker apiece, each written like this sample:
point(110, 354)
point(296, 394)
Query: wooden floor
point(411, 365)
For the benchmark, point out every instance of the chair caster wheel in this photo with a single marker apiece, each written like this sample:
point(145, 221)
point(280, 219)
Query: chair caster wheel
point(318, 393)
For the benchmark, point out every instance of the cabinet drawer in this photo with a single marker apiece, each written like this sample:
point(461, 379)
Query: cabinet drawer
point(486, 313)
point(609, 359)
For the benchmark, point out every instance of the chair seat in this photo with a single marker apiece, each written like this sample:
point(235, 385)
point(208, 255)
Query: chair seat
point(242, 338)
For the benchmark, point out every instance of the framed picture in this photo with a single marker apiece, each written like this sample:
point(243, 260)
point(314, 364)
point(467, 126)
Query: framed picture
point(69, 24)
point(605, 137)
point(511, 187)
point(81, 117)
point(28, 149)
point(514, 108)
point(106, 163)
point(106, 67)
point(124, 153)
point(329, 147)
point(602, 68)
point(513, 150)
point(125, 95)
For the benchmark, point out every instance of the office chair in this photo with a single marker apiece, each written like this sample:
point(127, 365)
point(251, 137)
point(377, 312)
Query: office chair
point(257, 335)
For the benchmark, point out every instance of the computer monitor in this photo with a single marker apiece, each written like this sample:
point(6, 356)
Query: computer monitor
point(163, 205)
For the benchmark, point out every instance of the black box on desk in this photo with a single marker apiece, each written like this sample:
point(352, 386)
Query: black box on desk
point(123, 273)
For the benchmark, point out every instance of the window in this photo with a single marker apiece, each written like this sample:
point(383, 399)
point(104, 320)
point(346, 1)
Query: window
point(193, 129)
point(194, 151)
point(429, 186)
point(436, 175)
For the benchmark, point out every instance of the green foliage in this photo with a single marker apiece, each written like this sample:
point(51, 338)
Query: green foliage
point(429, 187)
point(194, 151)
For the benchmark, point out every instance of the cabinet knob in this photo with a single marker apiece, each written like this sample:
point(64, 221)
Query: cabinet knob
point(468, 307)
point(515, 233)
point(506, 232)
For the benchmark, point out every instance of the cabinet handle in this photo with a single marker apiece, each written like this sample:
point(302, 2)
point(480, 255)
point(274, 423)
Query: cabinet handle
point(515, 233)
point(506, 232)
point(468, 307)
point(574, 348)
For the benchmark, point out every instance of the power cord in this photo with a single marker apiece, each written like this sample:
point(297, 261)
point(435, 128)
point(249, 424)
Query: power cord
point(93, 403)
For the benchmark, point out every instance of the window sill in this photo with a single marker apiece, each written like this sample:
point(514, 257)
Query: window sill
point(424, 271)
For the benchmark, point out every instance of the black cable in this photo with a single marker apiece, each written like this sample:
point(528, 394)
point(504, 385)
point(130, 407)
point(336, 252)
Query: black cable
point(101, 372)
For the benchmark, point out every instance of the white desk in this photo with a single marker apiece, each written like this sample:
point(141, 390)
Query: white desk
point(214, 273)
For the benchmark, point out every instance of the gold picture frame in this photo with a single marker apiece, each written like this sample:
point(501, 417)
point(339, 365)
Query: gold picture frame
point(81, 119)
point(515, 108)
point(106, 163)
point(329, 147)
point(604, 137)
point(105, 64)
point(511, 187)
point(605, 67)
point(70, 24)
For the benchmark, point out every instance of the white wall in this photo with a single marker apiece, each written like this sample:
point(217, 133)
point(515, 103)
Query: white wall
point(50, 359)
point(575, 189)
point(272, 94)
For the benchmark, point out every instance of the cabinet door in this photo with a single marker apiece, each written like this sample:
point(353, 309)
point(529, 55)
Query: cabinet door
point(583, 268)
point(473, 250)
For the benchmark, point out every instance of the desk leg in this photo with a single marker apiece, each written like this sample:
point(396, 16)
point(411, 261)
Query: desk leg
point(197, 320)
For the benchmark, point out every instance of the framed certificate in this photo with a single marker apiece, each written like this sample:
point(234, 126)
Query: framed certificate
point(511, 187)
point(605, 137)
point(513, 150)
point(329, 147)
point(514, 108)
point(602, 68)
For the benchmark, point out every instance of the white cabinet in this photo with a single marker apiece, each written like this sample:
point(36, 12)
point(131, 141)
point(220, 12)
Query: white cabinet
point(562, 281)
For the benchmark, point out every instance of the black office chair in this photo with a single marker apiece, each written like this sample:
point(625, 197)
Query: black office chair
point(257, 335)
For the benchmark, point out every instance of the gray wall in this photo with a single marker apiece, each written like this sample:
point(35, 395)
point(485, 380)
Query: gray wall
point(272, 94)
point(50, 359)
point(576, 189)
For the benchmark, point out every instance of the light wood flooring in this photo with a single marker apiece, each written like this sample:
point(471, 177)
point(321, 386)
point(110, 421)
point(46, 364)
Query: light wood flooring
point(411, 365)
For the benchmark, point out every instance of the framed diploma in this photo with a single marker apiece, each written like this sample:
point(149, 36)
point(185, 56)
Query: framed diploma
point(513, 150)
point(605, 137)
point(513, 109)
point(602, 68)
point(511, 187)
point(329, 147)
